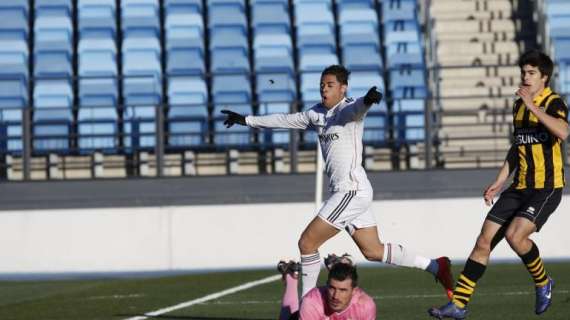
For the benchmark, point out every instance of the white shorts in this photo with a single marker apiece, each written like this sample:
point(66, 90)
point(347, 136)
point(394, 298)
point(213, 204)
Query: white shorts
point(348, 210)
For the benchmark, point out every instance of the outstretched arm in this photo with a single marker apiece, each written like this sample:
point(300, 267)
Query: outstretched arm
point(299, 120)
point(359, 107)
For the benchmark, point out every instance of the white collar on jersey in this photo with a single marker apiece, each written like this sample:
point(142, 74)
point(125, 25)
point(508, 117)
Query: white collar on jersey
point(332, 110)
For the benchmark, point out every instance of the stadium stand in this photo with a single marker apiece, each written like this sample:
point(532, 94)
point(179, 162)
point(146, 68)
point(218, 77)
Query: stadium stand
point(273, 61)
point(97, 116)
point(406, 68)
point(99, 75)
point(142, 71)
point(477, 50)
point(557, 27)
point(185, 71)
point(14, 72)
point(53, 93)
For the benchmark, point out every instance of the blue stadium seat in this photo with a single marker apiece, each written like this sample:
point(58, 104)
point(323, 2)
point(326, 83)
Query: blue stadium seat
point(53, 64)
point(409, 54)
point(409, 92)
point(399, 10)
point(407, 77)
point(240, 3)
point(234, 136)
point(355, 4)
point(142, 85)
point(557, 8)
point(184, 133)
point(185, 62)
point(358, 33)
point(231, 91)
point(187, 6)
point(188, 97)
point(13, 95)
point(188, 113)
point(310, 89)
point(184, 31)
point(559, 27)
point(24, 4)
point(408, 105)
point(271, 17)
point(13, 60)
point(276, 87)
point(185, 39)
point(14, 73)
point(375, 128)
point(401, 31)
point(562, 50)
point(273, 58)
point(231, 60)
point(140, 14)
point(316, 61)
point(14, 19)
point(139, 132)
point(410, 127)
point(97, 19)
point(97, 135)
point(51, 137)
point(320, 36)
point(362, 57)
point(53, 100)
point(228, 37)
point(227, 15)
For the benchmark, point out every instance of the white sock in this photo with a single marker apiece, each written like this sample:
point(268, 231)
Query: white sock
point(310, 268)
point(398, 255)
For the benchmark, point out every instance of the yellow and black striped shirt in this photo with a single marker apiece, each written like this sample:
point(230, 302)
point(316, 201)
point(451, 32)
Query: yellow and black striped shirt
point(540, 161)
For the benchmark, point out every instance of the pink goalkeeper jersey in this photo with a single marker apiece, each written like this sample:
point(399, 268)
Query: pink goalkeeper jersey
point(314, 306)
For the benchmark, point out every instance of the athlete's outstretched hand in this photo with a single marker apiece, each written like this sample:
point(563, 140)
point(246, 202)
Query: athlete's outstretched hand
point(233, 118)
point(372, 96)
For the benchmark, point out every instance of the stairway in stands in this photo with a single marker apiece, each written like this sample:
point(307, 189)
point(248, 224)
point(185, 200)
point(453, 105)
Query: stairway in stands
point(477, 46)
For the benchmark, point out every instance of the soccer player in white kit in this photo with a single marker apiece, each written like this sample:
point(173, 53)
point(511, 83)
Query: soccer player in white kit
point(339, 123)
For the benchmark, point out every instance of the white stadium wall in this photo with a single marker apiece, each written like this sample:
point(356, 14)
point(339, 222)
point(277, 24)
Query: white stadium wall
point(235, 236)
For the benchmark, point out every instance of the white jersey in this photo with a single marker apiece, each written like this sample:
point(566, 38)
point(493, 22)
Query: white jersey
point(340, 132)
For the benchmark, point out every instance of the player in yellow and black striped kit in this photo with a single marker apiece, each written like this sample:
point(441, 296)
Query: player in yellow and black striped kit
point(540, 127)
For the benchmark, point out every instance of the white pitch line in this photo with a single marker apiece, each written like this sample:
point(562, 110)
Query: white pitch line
point(209, 297)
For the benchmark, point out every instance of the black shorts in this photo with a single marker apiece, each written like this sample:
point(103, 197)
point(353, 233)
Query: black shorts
point(535, 205)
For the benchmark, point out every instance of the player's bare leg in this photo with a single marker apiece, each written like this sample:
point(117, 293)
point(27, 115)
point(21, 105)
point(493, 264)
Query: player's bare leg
point(517, 236)
point(484, 243)
point(472, 272)
point(368, 241)
point(315, 234)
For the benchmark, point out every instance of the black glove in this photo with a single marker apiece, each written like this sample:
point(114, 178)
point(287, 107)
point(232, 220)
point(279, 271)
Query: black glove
point(233, 118)
point(372, 96)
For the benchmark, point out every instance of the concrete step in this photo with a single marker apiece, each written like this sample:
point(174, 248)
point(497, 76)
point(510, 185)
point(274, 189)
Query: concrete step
point(449, 90)
point(478, 59)
point(469, 104)
point(480, 82)
point(447, 6)
point(474, 15)
point(473, 26)
point(479, 72)
point(476, 48)
point(476, 36)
